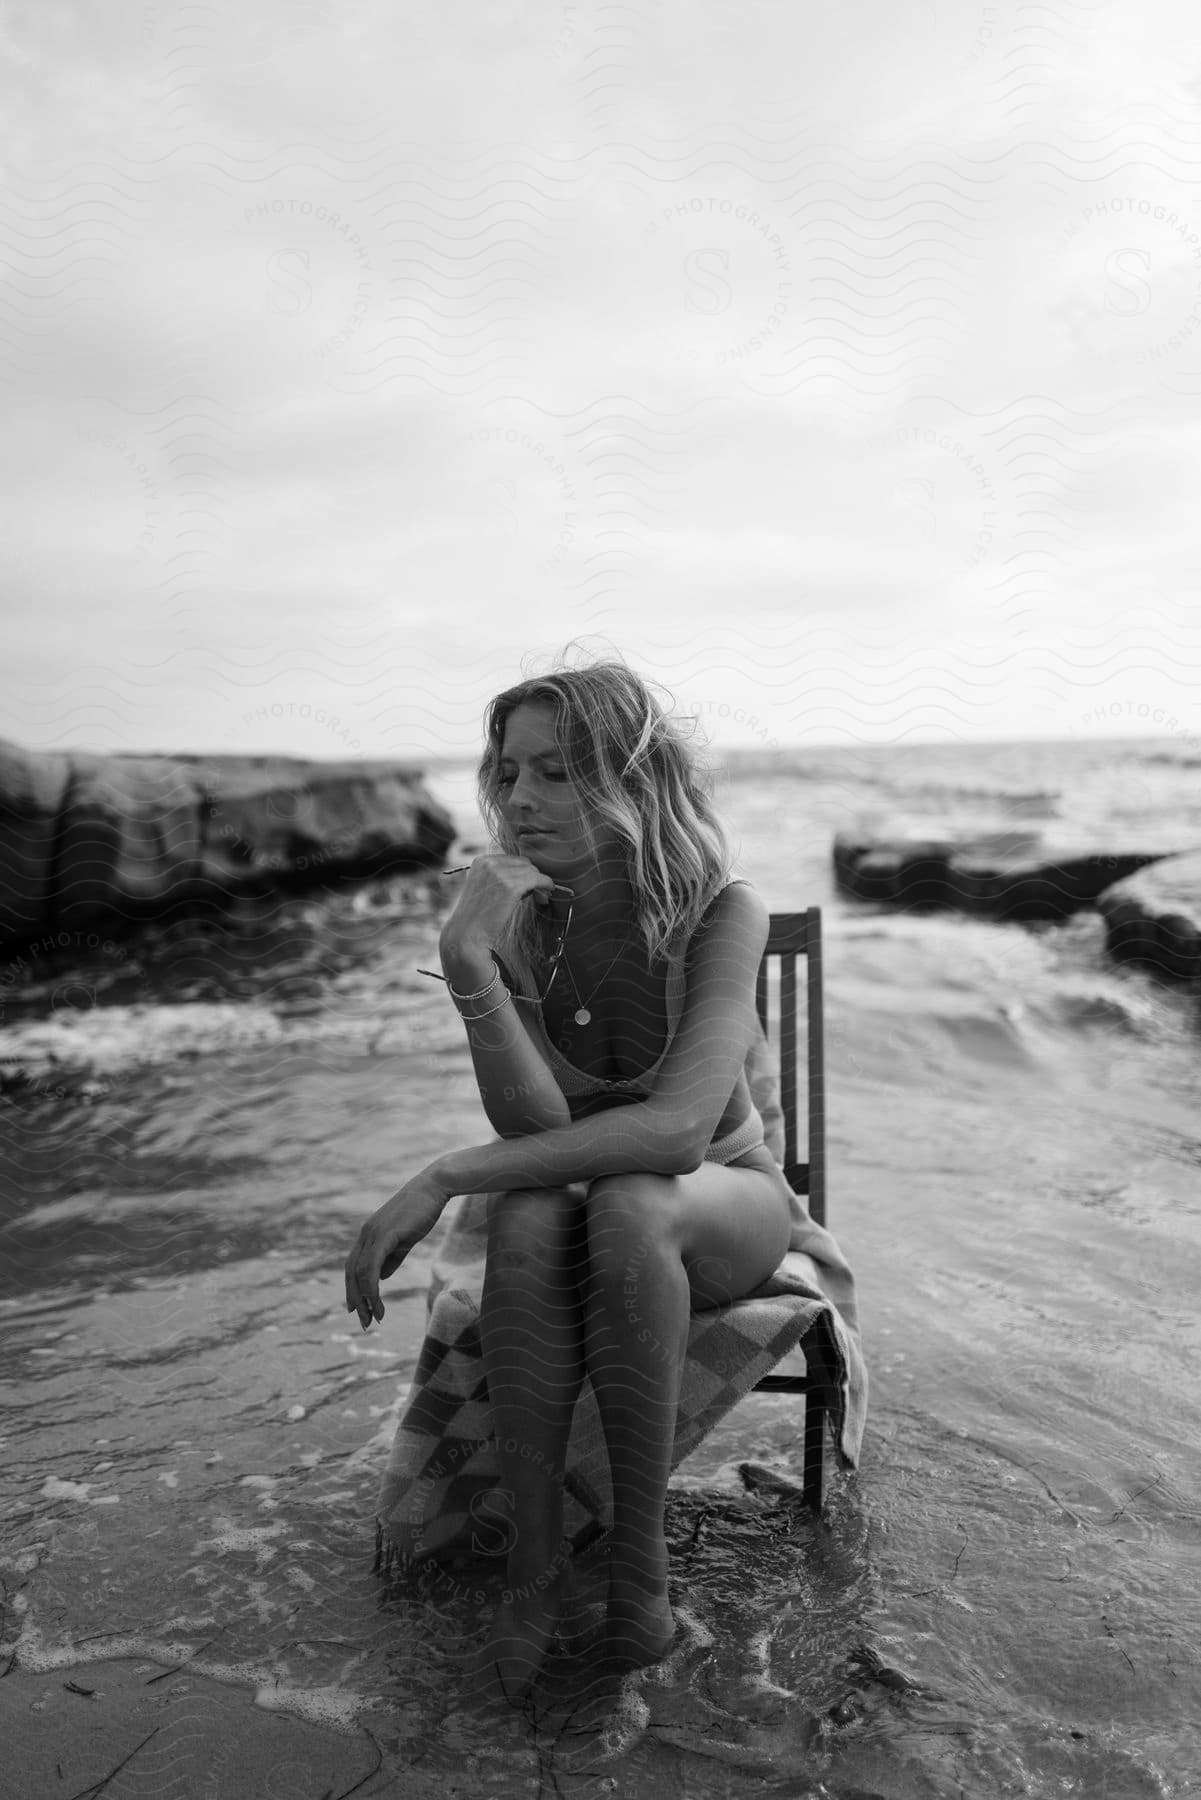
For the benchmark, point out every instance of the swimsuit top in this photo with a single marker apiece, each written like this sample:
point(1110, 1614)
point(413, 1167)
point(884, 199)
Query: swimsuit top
point(575, 1083)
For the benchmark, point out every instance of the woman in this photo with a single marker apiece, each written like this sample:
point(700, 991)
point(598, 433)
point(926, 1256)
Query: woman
point(605, 966)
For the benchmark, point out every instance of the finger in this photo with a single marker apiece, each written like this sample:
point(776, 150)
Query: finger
point(359, 1282)
point(367, 1284)
point(352, 1284)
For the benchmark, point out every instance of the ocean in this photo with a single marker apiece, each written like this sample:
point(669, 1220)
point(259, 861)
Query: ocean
point(1005, 1599)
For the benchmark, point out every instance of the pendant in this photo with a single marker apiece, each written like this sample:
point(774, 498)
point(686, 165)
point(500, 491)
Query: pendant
point(582, 1016)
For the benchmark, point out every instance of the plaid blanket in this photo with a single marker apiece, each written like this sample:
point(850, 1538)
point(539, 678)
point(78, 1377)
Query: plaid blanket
point(440, 1494)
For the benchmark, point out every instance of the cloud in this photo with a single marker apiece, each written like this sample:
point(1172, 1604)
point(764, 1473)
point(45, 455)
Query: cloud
point(350, 353)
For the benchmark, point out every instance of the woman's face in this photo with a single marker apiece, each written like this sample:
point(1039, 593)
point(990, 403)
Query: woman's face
point(537, 797)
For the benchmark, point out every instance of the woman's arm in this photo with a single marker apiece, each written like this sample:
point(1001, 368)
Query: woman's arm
point(636, 1138)
point(519, 1093)
point(625, 1140)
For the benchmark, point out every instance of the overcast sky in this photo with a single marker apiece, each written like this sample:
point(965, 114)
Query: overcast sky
point(840, 365)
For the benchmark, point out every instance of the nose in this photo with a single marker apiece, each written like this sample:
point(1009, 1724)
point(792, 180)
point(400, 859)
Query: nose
point(520, 800)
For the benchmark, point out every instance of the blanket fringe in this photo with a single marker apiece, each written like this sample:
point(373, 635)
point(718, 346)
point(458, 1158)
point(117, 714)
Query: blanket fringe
point(387, 1554)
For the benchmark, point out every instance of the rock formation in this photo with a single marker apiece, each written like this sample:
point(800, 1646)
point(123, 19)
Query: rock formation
point(1154, 918)
point(991, 875)
point(92, 844)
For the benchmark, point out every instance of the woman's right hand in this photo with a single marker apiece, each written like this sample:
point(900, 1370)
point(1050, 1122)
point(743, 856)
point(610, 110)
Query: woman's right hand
point(493, 888)
point(386, 1239)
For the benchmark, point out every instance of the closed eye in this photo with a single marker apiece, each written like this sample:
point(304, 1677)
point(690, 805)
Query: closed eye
point(549, 774)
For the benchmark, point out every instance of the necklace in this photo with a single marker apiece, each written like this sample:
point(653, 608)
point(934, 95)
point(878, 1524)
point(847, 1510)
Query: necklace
point(581, 1015)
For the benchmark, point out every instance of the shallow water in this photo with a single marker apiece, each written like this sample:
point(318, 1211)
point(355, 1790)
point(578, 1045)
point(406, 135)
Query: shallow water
point(1004, 1600)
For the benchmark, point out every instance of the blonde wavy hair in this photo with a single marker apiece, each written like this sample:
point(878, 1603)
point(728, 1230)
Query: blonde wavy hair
point(634, 764)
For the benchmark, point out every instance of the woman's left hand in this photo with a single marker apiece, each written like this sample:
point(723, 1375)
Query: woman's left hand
point(386, 1239)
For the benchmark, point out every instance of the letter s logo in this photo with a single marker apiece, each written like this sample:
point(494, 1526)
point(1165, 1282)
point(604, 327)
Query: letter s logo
point(715, 299)
point(1138, 294)
point(289, 289)
point(486, 1510)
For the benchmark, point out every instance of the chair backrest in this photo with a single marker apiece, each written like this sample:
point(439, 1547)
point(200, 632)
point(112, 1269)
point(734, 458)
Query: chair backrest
point(792, 935)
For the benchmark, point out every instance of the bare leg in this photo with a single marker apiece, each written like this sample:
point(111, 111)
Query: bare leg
point(660, 1246)
point(637, 1332)
point(532, 1332)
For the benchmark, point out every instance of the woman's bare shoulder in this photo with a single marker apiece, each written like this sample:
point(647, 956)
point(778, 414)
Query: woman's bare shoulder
point(736, 903)
point(736, 915)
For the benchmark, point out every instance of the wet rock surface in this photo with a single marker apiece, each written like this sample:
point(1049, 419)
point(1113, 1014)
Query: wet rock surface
point(992, 875)
point(1154, 917)
point(98, 843)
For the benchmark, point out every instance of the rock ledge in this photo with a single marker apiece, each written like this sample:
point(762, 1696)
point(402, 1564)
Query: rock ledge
point(991, 875)
point(94, 844)
point(1155, 917)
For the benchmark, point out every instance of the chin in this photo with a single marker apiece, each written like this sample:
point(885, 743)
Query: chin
point(534, 849)
point(555, 860)
point(547, 858)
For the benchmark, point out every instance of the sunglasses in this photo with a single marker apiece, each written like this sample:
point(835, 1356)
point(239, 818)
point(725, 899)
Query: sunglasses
point(536, 999)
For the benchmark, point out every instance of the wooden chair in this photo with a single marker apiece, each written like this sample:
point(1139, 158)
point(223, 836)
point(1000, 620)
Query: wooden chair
point(792, 935)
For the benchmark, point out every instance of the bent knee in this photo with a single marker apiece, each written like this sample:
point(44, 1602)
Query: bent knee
point(631, 1216)
point(520, 1200)
point(531, 1218)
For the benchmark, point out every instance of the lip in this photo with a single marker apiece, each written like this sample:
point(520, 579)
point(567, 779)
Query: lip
point(532, 831)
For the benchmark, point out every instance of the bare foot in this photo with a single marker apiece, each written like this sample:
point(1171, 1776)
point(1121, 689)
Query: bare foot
point(640, 1625)
point(521, 1633)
